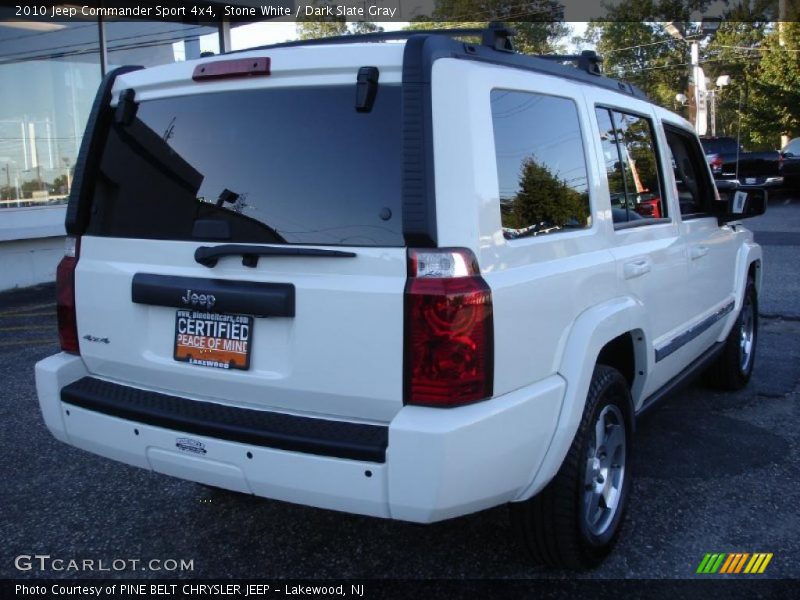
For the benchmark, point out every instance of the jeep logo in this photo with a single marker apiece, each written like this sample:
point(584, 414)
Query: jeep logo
point(195, 299)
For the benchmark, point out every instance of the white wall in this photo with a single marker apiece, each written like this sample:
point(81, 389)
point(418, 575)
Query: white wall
point(31, 244)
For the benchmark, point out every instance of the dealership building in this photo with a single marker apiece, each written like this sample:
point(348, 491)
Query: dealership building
point(50, 69)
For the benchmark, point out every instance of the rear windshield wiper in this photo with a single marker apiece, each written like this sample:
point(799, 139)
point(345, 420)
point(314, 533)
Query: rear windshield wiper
point(208, 255)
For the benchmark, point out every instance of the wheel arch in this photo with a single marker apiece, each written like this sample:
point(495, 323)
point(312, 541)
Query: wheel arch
point(748, 265)
point(607, 330)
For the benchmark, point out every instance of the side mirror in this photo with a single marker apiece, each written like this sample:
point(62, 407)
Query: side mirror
point(737, 203)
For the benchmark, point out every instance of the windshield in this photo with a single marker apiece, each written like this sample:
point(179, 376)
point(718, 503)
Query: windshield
point(290, 165)
point(719, 145)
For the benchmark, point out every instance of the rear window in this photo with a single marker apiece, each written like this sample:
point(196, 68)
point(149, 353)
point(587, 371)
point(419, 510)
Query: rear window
point(292, 165)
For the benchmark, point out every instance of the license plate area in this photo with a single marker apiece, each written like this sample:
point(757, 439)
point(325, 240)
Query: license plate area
point(214, 340)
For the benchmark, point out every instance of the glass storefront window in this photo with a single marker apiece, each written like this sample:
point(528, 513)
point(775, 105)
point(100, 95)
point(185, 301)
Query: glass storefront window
point(49, 73)
point(152, 43)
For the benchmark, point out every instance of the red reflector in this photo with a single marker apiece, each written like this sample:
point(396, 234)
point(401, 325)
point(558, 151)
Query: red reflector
point(239, 67)
point(449, 341)
point(65, 304)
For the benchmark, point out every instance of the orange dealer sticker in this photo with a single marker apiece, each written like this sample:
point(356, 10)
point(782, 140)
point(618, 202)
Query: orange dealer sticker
point(213, 340)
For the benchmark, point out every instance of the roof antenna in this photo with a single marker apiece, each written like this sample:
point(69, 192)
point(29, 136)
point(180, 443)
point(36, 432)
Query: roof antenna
point(498, 36)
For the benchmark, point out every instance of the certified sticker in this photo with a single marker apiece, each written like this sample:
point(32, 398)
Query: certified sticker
point(190, 445)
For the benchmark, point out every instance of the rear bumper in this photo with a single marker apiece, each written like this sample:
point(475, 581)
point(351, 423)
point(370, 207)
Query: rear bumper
point(760, 182)
point(425, 465)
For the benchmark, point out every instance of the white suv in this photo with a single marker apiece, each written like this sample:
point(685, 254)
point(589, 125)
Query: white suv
point(412, 280)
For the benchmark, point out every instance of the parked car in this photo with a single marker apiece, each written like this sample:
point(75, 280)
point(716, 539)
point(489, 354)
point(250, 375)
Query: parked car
point(728, 160)
point(790, 165)
point(411, 280)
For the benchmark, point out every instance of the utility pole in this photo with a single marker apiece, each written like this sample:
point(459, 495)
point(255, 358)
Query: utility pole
point(782, 13)
point(698, 113)
point(697, 84)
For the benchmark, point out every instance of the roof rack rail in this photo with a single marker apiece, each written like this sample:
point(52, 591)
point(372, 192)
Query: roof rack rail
point(496, 35)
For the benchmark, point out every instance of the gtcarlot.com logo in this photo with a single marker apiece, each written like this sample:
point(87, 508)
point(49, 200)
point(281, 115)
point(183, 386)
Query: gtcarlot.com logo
point(734, 563)
point(45, 562)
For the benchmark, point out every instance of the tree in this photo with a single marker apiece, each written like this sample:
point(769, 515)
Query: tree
point(775, 104)
point(735, 50)
point(59, 184)
point(33, 185)
point(544, 200)
point(636, 47)
point(8, 192)
point(310, 30)
point(643, 53)
point(536, 22)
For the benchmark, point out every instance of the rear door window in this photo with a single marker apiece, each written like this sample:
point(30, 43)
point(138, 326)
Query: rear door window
point(281, 166)
point(631, 166)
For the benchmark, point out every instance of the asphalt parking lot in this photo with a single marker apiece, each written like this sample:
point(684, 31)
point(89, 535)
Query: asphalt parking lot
point(714, 473)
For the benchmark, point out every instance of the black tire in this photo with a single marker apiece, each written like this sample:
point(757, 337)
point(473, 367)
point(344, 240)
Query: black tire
point(553, 525)
point(730, 371)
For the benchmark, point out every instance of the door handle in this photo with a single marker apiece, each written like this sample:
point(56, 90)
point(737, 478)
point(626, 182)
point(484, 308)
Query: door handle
point(698, 252)
point(636, 268)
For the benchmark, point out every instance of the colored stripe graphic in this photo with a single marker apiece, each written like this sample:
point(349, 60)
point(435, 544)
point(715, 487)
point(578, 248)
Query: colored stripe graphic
point(711, 563)
point(741, 562)
point(733, 562)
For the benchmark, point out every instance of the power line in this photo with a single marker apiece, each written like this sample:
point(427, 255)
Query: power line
point(637, 46)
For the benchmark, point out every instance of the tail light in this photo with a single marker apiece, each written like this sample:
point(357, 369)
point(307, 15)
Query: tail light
point(65, 297)
point(449, 332)
point(716, 163)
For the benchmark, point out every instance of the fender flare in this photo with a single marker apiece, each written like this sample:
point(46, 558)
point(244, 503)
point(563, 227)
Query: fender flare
point(592, 330)
point(749, 252)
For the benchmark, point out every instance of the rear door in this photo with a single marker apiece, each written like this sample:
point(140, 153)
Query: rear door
point(313, 326)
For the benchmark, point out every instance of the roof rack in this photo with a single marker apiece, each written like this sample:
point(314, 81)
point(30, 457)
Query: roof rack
point(588, 60)
point(496, 37)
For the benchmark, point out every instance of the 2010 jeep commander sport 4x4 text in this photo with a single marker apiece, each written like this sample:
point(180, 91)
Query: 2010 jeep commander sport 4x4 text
point(412, 279)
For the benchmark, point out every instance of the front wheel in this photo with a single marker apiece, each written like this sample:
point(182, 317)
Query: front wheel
point(734, 366)
point(574, 521)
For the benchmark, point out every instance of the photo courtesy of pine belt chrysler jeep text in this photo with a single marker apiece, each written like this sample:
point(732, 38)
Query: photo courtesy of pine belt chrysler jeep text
point(411, 275)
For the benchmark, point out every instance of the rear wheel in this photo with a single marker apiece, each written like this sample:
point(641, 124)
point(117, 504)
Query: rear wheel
point(574, 521)
point(734, 366)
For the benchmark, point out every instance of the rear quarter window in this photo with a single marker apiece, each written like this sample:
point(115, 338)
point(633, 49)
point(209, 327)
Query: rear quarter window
point(541, 165)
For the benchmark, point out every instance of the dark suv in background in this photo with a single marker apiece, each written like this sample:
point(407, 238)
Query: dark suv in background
point(760, 169)
point(790, 165)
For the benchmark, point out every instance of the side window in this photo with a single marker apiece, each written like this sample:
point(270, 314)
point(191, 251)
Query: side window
point(695, 190)
point(631, 165)
point(541, 167)
point(613, 165)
